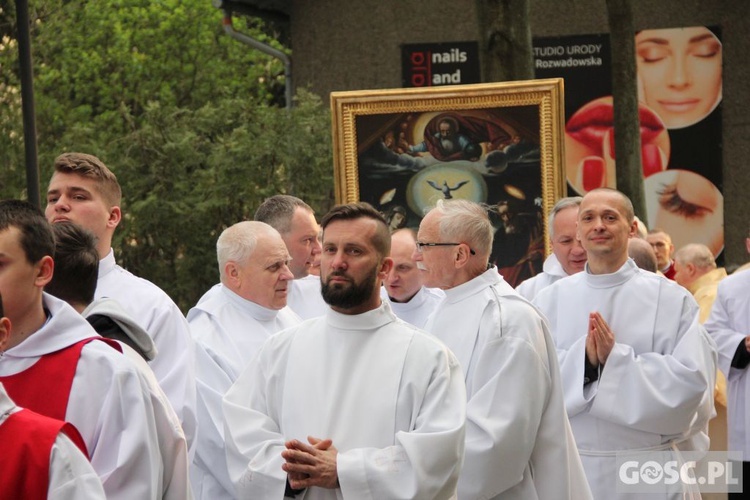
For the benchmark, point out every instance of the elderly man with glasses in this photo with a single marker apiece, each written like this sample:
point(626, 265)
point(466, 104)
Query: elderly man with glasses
point(518, 439)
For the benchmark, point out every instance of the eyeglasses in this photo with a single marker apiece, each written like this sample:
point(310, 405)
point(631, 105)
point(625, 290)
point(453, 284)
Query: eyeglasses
point(420, 246)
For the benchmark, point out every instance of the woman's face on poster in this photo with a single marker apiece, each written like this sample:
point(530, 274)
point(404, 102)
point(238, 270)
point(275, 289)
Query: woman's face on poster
point(679, 73)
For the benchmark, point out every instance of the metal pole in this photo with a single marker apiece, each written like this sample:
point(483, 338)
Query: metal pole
point(267, 49)
point(27, 102)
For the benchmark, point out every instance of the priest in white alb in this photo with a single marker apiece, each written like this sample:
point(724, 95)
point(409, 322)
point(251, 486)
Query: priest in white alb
point(518, 440)
point(638, 368)
point(295, 221)
point(568, 256)
point(729, 325)
point(229, 324)
point(354, 404)
point(84, 191)
point(403, 287)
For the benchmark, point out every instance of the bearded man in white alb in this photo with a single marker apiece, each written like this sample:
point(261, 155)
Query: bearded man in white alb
point(353, 404)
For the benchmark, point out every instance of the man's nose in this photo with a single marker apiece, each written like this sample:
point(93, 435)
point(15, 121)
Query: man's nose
point(286, 273)
point(316, 248)
point(339, 260)
point(61, 205)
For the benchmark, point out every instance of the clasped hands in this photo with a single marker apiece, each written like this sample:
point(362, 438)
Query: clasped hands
point(311, 464)
point(599, 340)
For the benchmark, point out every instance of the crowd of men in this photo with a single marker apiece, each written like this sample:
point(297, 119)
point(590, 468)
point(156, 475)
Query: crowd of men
point(346, 359)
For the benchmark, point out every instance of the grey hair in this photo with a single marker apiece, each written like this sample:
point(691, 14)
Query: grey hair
point(237, 243)
point(278, 211)
point(642, 231)
point(465, 222)
point(562, 204)
point(697, 254)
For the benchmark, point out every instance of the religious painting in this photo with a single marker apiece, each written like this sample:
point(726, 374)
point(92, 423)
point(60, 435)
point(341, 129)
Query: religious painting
point(497, 144)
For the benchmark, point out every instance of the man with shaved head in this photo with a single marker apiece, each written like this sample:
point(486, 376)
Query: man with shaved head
point(638, 369)
point(403, 288)
point(642, 254)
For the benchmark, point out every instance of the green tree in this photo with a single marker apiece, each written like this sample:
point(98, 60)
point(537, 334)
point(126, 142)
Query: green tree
point(191, 174)
point(185, 116)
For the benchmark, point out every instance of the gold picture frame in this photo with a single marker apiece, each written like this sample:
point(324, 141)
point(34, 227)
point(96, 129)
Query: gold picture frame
point(497, 143)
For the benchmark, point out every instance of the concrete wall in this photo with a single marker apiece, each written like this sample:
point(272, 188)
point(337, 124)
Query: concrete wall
point(355, 44)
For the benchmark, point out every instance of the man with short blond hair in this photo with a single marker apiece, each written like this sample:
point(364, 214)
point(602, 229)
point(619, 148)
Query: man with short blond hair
point(402, 287)
point(229, 324)
point(518, 440)
point(568, 256)
point(84, 191)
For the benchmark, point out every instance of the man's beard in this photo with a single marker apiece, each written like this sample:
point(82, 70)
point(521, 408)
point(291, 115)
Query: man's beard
point(348, 297)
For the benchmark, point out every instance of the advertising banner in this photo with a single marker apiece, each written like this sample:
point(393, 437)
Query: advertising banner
point(679, 72)
point(433, 64)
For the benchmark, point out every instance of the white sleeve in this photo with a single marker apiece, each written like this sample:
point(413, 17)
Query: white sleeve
point(253, 439)
point(71, 476)
point(577, 396)
point(664, 390)
point(174, 367)
point(111, 407)
point(212, 383)
point(722, 328)
point(171, 438)
point(502, 419)
point(413, 467)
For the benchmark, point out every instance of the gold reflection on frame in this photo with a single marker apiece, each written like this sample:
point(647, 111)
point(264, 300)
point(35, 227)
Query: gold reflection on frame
point(378, 110)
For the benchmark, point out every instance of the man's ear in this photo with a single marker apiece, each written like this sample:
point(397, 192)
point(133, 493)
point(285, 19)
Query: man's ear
point(232, 272)
point(633, 229)
point(115, 215)
point(385, 268)
point(45, 271)
point(5, 328)
point(461, 255)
